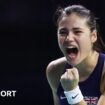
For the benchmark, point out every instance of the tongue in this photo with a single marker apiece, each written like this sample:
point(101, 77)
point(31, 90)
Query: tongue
point(72, 55)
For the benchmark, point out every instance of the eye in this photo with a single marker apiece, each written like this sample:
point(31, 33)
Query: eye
point(63, 32)
point(78, 32)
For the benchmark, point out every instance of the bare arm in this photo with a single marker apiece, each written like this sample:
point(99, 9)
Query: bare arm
point(102, 87)
point(52, 82)
point(53, 73)
point(69, 81)
point(55, 98)
point(102, 99)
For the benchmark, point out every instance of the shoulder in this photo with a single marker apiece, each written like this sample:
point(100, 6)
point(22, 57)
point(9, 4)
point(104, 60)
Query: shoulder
point(103, 78)
point(54, 71)
point(55, 64)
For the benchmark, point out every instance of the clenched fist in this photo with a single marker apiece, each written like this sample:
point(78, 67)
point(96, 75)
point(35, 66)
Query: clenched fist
point(70, 79)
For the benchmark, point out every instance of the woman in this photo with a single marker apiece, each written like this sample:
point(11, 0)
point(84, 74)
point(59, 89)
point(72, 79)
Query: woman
point(78, 78)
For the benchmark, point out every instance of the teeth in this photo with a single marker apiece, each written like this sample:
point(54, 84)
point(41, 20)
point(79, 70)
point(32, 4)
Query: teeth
point(71, 47)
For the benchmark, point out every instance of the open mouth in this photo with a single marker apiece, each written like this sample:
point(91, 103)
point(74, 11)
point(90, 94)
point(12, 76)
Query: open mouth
point(72, 51)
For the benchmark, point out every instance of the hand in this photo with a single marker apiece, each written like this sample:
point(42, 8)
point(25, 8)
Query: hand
point(69, 80)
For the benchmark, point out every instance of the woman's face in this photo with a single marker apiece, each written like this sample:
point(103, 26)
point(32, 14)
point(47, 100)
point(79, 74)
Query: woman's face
point(75, 38)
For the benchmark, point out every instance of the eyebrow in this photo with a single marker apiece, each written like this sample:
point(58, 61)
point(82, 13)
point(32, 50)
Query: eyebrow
point(75, 28)
point(62, 29)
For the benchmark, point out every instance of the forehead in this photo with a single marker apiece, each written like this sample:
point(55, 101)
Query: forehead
point(73, 20)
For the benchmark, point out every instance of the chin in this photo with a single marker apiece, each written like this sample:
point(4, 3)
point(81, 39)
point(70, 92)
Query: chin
point(72, 62)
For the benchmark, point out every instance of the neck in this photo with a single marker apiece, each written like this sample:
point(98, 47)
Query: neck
point(86, 67)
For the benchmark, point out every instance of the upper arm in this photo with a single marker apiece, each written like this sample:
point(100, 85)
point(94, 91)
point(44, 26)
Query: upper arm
point(102, 86)
point(50, 74)
point(55, 98)
point(102, 97)
point(51, 81)
point(54, 71)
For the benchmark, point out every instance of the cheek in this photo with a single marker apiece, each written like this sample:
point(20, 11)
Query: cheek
point(61, 40)
point(85, 43)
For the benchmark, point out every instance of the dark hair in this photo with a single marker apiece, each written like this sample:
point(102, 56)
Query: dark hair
point(91, 21)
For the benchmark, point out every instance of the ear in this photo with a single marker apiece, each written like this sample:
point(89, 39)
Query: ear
point(94, 36)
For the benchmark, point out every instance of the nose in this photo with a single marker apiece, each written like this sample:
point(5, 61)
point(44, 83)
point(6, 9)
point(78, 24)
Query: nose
point(70, 37)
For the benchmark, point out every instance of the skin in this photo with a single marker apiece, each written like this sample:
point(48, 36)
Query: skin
point(74, 31)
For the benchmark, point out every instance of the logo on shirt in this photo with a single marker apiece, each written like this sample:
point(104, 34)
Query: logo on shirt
point(91, 100)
